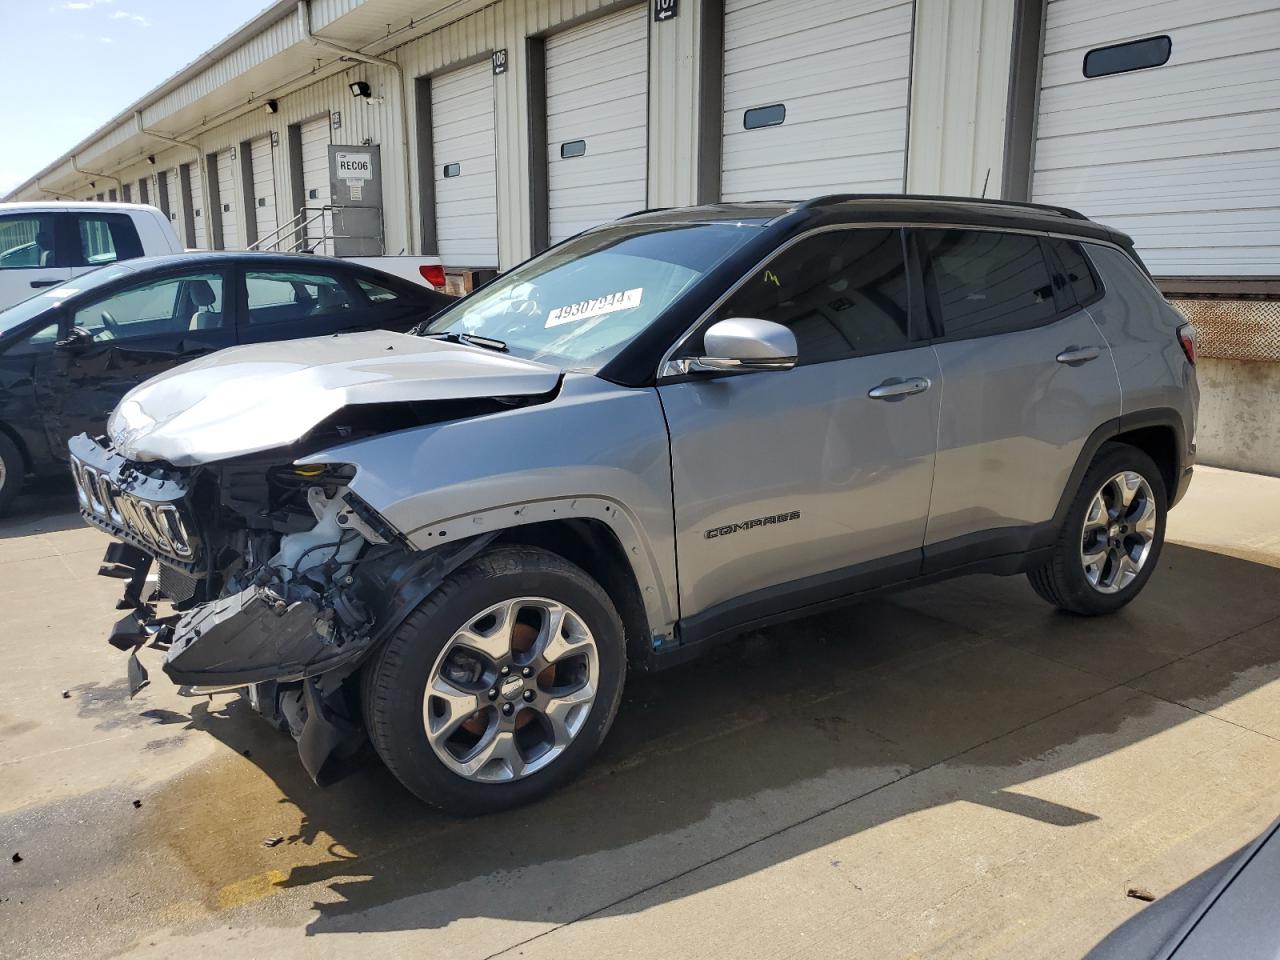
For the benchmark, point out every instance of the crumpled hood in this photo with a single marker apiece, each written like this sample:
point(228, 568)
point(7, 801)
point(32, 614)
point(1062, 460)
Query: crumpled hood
point(252, 398)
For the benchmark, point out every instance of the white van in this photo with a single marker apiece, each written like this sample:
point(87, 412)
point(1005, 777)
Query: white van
point(45, 244)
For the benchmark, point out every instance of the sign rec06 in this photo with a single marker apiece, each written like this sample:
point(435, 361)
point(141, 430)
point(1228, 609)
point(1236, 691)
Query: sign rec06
point(355, 169)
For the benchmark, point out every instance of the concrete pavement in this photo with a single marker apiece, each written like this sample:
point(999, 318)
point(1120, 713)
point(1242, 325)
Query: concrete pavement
point(953, 772)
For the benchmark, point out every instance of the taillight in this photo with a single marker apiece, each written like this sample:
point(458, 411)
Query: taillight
point(1187, 338)
point(433, 275)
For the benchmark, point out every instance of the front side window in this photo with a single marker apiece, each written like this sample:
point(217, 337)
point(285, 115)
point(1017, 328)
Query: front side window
point(984, 282)
point(175, 306)
point(26, 241)
point(106, 238)
point(581, 302)
point(842, 293)
point(283, 296)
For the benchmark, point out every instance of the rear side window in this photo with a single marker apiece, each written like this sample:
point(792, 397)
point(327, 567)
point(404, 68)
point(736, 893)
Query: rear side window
point(984, 282)
point(281, 296)
point(842, 293)
point(1076, 275)
point(26, 241)
point(106, 238)
point(376, 292)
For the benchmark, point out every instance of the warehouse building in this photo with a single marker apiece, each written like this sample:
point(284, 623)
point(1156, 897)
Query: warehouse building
point(498, 128)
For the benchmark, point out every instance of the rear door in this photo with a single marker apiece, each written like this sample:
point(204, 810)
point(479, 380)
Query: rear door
point(800, 486)
point(1026, 377)
point(131, 333)
point(28, 256)
point(99, 239)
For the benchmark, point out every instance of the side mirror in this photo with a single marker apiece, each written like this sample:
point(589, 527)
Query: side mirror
point(745, 343)
point(77, 338)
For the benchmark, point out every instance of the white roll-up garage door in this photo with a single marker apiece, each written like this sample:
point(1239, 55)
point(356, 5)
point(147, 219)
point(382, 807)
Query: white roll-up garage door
point(227, 201)
point(465, 158)
point(195, 201)
point(315, 177)
point(264, 192)
point(815, 97)
point(173, 208)
point(597, 121)
point(1184, 156)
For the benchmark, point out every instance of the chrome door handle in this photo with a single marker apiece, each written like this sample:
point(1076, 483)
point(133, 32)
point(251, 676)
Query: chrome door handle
point(1074, 356)
point(897, 389)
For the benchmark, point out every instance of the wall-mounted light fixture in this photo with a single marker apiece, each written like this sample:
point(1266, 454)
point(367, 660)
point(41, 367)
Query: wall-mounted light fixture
point(361, 90)
point(151, 159)
point(271, 106)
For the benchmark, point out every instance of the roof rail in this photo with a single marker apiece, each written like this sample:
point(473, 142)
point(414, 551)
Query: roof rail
point(831, 198)
point(640, 213)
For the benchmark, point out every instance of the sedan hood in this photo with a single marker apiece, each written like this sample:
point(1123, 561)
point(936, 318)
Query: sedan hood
point(247, 399)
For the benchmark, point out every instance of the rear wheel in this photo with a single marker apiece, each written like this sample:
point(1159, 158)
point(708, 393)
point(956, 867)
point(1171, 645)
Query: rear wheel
point(12, 471)
point(501, 685)
point(1112, 537)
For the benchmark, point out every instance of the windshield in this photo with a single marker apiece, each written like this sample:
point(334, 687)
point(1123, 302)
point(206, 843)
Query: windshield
point(579, 304)
point(20, 313)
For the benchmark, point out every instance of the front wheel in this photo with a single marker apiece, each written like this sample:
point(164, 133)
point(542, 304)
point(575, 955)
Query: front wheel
point(1112, 537)
point(501, 685)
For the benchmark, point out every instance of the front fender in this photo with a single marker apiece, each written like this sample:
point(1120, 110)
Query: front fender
point(597, 451)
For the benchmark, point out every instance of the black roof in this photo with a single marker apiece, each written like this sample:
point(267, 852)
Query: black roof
point(895, 207)
point(260, 257)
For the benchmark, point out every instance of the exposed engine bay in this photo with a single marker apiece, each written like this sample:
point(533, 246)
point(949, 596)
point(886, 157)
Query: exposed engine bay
point(271, 576)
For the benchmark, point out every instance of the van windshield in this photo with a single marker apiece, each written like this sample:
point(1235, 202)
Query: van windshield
point(580, 303)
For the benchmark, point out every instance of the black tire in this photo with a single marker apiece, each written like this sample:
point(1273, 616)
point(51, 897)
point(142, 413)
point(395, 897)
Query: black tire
point(1062, 581)
point(14, 472)
point(395, 679)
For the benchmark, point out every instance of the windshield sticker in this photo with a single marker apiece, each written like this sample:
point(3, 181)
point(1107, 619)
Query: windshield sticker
point(595, 307)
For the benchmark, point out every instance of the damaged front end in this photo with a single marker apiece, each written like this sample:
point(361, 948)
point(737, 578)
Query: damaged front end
point(272, 577)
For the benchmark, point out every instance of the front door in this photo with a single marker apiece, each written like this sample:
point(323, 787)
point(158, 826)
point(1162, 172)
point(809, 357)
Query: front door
point(805, 485)
point(28, 256)
point(116, 340)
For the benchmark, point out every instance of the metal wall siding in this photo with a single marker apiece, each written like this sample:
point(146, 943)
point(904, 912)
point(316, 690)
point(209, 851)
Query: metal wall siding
point(959, 96)
point(1184, 157)
point(841, 68)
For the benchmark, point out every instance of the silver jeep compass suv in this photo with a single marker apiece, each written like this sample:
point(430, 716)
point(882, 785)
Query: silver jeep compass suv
point(645, 440)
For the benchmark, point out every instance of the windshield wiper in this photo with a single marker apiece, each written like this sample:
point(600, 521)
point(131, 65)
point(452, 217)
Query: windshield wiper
point(471, 339)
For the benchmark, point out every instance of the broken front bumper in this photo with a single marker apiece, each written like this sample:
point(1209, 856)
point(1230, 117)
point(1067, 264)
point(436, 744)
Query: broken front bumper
point(291, 652)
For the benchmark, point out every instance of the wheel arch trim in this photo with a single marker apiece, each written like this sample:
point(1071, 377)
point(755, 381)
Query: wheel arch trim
point(657, 595)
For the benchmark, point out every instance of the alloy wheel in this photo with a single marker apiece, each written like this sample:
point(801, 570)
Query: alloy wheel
point(1119, 528)
point(511, 689)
